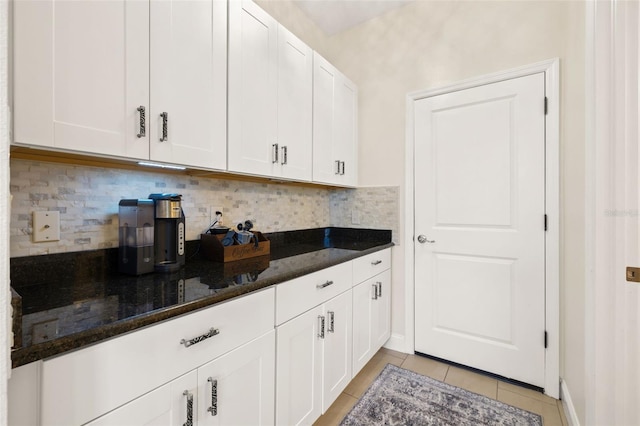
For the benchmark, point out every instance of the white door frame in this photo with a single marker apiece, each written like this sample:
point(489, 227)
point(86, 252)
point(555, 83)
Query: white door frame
point(551, 69)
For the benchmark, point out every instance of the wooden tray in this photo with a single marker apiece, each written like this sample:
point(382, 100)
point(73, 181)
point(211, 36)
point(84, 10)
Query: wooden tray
point(211, 248)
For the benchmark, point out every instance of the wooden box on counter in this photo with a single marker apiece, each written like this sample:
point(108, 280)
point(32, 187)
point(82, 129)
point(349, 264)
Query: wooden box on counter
point(212, 248)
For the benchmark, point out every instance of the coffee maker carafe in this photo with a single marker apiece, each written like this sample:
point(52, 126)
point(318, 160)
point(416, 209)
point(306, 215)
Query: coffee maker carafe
point(169, 232)
point(136, 250)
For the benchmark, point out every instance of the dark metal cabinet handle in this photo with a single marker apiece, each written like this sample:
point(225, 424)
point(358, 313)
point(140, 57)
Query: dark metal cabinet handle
point(214, 396)
point(327, 284)
point(379, 289)
point(342, 168)
point(143, 122)
point(165, 127)
point(284, 155)
point(337, 167)
point(321, 326)
point(376, 262)
point(275, 153)
point(375, 291)
point(189, 396)
point(332, 316)
point(212, 332)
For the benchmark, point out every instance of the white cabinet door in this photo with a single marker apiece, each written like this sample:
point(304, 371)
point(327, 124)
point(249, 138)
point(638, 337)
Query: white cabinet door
point(335, 110)
point(295, 89)
point(382, 310)
point(81, 71)
point(346, 124)
point(239, 388)
point(169, 405)
point(363, 324)
point(253, 82)
point(337, 365)
point(188, 82)
point(299, 369)
point(371, 318)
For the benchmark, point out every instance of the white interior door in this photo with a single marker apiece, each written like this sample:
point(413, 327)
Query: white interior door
point(479, 210)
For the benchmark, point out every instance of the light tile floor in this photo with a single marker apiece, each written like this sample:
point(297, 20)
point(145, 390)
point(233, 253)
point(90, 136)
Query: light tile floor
point(550, 409)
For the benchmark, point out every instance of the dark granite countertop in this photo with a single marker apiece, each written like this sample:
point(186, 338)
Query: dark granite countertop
point(72, 300)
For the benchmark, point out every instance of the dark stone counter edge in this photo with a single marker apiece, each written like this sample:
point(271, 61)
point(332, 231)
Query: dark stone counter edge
point(80, 340)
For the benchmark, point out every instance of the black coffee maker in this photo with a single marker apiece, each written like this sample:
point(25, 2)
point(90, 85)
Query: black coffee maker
point(169, 232)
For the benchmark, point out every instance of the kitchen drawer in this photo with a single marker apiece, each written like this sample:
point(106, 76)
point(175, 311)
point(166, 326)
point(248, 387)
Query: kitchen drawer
point(370, 265)
point(82, 385)
point(301, 294)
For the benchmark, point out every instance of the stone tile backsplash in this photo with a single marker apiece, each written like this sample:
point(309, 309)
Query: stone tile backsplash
point(367, 207)
point(87, 198)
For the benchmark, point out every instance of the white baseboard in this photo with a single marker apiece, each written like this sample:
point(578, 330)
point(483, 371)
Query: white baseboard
point(567, 405)
point(396, 343)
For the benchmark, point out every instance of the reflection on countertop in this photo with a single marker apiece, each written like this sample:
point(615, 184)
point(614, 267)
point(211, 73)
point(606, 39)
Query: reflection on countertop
point(74, 299)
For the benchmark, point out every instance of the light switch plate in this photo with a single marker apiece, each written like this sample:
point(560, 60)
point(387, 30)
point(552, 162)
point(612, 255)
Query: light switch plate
point(46, 226)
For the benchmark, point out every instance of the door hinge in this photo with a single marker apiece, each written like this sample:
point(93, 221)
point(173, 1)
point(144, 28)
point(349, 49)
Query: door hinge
point(546, 222)
point(546, 339)
point(546, 105)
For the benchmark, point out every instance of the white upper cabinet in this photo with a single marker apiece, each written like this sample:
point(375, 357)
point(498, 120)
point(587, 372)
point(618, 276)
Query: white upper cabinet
point(270, 96)
point(335, 118)
point(95, 76)
point(81, 71)
point(188, 83)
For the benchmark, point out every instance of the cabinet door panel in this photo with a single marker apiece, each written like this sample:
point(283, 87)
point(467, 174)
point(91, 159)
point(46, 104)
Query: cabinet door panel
point(337, 371)
point(346, 137)
point(295, 75)
point(299, 370)
point(81, 72)
point(324, 80)
point(188, 82)
point(244, 385)
point(252, 88)
point(363, 324)
point(165, 406)
point(382, 317)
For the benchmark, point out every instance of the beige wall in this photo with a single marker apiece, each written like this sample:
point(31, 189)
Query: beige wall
point(427, 44)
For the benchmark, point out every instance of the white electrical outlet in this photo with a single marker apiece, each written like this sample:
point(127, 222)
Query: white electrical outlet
point(46, 226)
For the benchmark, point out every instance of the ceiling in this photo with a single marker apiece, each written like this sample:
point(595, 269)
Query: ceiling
point(334, 16)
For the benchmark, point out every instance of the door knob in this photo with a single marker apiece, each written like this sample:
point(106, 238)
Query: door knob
point(422, 239)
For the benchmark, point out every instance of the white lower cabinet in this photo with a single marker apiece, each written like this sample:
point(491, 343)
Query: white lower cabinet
point(314, 361)
point(170, 405)
point(83, 385)
point(226, 364)
point(239, 387)
point(235, 389)
point(371, 317)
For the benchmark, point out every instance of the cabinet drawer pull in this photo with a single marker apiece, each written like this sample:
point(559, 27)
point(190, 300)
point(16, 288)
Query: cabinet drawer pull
point(375, 291)
point(284, 155)
point(321, 326)
point(143, 122)
point(342, 168)
point(212, 332)
point(189, 396)
point(327, 284)
point(214, 396)
point(376, 262)
point(275, 153)
point(337, 167)
point(331, 328)
point(165, 127)
point(379, 287)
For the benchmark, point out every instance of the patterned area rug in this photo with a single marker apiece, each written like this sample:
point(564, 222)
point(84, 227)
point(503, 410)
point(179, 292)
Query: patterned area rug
point(402, 397)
